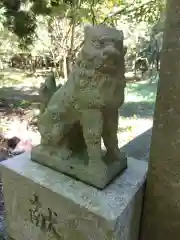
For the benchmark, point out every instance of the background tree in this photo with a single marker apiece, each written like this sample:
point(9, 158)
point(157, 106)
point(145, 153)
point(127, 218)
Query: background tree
point(21, 14)
point(64, 21)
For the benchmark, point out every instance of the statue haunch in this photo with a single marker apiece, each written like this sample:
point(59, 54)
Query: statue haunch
point(85, 108)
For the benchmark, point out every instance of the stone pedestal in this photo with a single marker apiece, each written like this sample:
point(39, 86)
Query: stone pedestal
point(98, 174)
point(42, 204)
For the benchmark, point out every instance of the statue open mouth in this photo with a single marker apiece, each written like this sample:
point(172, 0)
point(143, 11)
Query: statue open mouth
point(109, 62)
point(112, 63)
point(111, 59)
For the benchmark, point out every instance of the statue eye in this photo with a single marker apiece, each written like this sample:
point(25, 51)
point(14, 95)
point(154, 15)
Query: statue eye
point(101, 43)
point(98, 43)
point(94, 41)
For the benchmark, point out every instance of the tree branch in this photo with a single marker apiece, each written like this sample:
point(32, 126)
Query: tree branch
point(93, 14)
point(124, 11)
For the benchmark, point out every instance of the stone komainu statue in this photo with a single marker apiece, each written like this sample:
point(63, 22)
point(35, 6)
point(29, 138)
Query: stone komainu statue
point(85, 109)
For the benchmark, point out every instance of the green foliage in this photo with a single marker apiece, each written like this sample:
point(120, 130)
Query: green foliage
point(137, 11)
point(23, 22)
point(148, 11)
point(40, 7)
point(12, 6)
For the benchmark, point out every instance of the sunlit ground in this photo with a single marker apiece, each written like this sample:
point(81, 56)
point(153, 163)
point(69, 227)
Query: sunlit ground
point(132, 128)
point(136, 116)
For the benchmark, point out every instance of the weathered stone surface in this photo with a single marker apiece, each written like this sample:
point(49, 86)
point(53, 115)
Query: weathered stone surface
point(85, 109)
point(69, 209)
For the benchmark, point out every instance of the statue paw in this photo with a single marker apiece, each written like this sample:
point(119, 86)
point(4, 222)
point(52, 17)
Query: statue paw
point(115, 155)
point(99, 164)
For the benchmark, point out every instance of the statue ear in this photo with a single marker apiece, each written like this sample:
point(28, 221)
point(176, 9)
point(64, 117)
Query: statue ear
point(125, 50)
point(87, 29)
point(122, 34)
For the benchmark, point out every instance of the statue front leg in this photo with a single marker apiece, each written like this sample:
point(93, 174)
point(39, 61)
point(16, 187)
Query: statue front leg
point(92, 123)
point(51, 134)
point(110, 129)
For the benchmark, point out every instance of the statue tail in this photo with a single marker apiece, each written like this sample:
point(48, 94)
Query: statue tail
point(47, 89)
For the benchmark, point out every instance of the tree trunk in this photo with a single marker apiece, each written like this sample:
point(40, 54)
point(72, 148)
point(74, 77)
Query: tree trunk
point(161, 213)
point(65, 69)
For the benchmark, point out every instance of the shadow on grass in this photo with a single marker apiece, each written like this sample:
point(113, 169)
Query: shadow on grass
point(140, 96)
point(140, 99)
point(144, 90)
point(12, 98)
point(12, 76)
point(138, 109)
point(139, 147)
point(17, 94)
